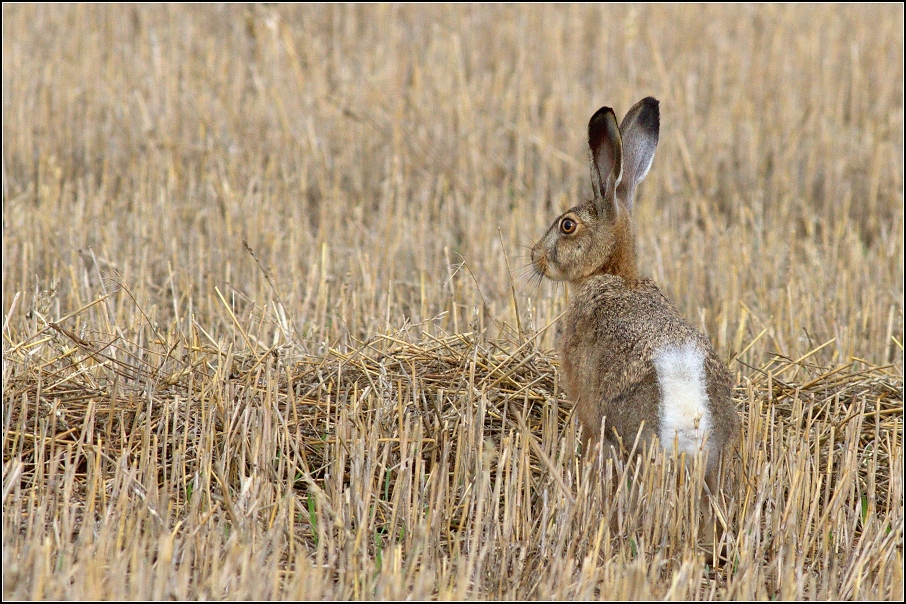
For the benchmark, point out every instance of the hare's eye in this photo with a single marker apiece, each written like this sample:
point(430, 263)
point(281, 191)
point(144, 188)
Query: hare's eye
point(567, 226)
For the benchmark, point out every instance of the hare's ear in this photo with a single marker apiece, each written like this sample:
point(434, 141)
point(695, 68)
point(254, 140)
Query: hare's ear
point(606, 147)
point(640, 130)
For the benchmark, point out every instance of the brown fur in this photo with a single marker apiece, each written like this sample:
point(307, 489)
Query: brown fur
point(610, 334)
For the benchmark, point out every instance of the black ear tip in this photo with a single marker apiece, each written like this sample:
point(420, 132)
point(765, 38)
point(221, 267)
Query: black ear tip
point(650, 114)
point(603, 123)
point(600, 115)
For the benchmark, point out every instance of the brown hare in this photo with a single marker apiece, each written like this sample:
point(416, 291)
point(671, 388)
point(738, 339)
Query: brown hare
point(629, 359)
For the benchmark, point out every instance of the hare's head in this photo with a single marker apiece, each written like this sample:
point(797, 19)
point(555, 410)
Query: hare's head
point(596, 237)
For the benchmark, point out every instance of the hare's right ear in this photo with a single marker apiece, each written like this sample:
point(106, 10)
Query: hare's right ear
point(640, 130)
point(606, 147)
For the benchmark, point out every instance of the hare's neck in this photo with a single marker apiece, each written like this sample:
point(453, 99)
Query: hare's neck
point(624, 265)
point(622, 262)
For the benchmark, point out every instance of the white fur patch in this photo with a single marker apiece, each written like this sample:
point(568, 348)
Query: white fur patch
point(685, 418)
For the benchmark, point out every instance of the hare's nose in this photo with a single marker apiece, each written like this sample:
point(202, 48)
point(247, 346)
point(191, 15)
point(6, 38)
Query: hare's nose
point(539, 260)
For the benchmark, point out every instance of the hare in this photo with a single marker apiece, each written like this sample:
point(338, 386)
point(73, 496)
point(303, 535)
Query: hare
point(630, 361)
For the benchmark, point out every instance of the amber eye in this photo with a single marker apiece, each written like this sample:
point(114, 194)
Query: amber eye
point(567, 226)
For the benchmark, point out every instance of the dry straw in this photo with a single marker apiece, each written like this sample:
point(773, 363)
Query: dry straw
point(442, 467)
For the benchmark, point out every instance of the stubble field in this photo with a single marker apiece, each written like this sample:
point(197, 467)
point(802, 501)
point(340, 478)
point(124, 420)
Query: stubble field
point(269, 329)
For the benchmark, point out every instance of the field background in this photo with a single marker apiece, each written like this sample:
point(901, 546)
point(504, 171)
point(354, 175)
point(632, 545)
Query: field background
point(269, 329)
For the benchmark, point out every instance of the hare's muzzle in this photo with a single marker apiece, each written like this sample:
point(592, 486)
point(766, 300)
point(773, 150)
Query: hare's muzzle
point(539, 260)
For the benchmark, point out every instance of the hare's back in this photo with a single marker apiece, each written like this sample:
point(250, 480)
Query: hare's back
point(639, 335)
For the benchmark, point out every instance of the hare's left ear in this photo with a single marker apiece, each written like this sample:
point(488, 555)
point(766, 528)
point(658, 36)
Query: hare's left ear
point(606, 147)
point(640, 129)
